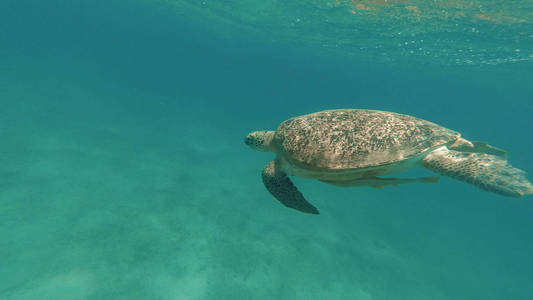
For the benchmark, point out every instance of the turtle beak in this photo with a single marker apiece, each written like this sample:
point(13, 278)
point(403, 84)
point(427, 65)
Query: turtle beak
point(248, 140)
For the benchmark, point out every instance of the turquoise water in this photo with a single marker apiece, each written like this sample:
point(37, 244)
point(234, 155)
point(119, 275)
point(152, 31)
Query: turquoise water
point(125, 176)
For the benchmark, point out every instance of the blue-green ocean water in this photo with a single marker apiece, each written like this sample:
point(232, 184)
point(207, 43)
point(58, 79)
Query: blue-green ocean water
point(123, 172)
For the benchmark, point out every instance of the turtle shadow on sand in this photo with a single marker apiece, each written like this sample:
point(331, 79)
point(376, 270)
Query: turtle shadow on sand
point(353, 147)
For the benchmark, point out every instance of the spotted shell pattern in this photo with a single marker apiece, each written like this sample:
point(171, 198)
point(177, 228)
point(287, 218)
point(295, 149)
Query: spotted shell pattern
point(353, 138)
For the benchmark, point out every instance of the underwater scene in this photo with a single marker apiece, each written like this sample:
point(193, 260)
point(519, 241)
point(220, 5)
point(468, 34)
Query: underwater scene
point(129, 171)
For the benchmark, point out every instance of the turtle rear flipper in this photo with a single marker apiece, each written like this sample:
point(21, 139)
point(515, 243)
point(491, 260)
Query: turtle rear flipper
point(489, 172)
point(282, 188)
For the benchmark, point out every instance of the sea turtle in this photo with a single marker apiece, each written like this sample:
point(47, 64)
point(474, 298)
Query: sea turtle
point(352, 147)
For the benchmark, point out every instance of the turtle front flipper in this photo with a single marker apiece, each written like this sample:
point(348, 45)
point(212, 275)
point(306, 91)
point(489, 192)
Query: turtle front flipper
point(482, 147)
point(282, 188)
point(463, 145)
point(378, 183)
point(489, 172)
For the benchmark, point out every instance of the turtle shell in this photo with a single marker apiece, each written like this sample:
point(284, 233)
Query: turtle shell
point(354, 138)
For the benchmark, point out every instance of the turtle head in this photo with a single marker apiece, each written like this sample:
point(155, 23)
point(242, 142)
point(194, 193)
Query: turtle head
point(261, 140)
